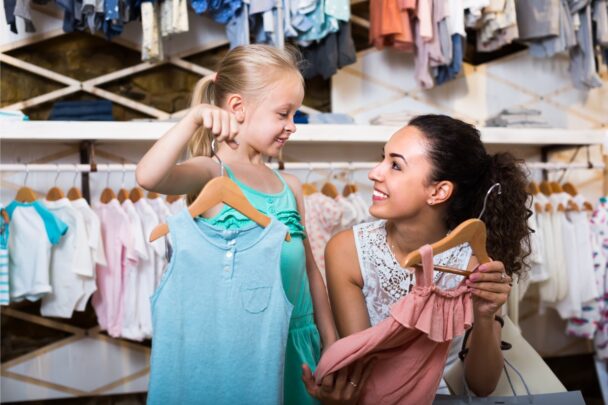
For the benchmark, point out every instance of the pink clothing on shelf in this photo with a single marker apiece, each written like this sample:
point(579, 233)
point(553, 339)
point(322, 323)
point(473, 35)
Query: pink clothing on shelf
point(410, 347)
point(119, 248)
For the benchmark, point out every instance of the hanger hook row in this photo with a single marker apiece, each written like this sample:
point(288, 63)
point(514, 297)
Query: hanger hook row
point(485, 199)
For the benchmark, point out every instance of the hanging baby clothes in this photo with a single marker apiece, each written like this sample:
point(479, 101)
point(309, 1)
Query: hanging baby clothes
point(30, 251)
point(161, 208)
point(223, 296)
point(93, 230)
point(71, 262)
point(177, 206)
point(411, 346)
point(4, 271)
point(118, 243)
point(132, 279)
point(147, 268)
point(323, 216)
point(585, 325)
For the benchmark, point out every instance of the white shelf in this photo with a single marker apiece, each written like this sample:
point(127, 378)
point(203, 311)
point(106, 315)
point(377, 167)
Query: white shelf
point(128, 131)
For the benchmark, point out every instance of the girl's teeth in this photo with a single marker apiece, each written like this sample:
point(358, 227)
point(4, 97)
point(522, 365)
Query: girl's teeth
point(379, 194)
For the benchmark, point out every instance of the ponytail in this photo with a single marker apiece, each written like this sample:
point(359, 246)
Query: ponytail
point(458, 155)
point(200, 143)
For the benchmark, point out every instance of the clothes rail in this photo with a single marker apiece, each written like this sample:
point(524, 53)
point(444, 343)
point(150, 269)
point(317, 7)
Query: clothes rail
point(102, 167)
point(563, 166)
point(63, 167)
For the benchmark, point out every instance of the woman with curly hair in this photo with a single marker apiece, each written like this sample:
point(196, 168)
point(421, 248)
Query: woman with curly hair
point(434, 174)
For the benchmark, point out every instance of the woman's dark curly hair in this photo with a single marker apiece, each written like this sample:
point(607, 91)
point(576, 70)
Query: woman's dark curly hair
point(458, 155)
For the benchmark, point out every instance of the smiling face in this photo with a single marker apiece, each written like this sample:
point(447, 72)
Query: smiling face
point(401, 180)
point(269, 118)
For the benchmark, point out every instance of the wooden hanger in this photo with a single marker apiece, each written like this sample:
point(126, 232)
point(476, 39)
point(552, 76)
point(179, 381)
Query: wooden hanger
point(533, 189)
point(74, 194)
point(329, 190)
point(54, 194)
point(123, 195)
point(471, 231)
point(557, 188)
point(153, 195)
point(220, 190)
point(136, 194)
point(4, 214)
point(545, 188)
point(349, 189)
point(107, 194)
point(26, 194)
point(571, 189)
point(309, 188)
point(173, 198)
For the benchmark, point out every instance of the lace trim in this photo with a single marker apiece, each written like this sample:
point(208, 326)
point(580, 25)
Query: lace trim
point(385, 281)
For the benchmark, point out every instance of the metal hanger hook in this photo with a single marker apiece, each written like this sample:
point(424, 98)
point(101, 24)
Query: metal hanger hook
point(75, 175)
point(214, 151)
point(309, 173)
point(124, 174)
point(485, 200)
point(27, 173)
point(57, 175)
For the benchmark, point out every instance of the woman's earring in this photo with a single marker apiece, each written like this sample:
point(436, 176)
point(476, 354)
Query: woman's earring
point(431, 202)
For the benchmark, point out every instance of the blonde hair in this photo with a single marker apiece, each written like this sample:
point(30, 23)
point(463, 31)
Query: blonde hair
point(244, 70)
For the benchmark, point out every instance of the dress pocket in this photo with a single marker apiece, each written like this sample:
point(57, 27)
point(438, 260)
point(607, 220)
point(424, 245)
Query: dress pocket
point(255, 299)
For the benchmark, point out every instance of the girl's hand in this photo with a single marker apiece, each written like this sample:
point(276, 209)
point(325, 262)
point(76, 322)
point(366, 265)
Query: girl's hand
point(341, 387)
point(223, 125)
point(490, 286)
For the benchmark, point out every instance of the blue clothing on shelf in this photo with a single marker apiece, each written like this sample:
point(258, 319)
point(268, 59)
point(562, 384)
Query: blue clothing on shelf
point(220, 316)
point(83, 110)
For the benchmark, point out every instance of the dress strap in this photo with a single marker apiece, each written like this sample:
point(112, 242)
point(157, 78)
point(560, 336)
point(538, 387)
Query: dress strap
point(424, 275)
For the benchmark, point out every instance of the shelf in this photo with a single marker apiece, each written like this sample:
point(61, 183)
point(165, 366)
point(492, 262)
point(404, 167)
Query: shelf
point(129, 131)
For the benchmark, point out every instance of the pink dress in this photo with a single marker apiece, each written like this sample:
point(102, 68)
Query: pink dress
point(410, 346)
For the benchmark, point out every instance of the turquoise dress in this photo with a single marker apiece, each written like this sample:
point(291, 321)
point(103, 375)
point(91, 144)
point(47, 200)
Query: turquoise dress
point(303, 340)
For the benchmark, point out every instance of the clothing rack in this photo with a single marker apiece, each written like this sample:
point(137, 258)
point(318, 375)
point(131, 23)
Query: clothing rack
point(114, 167)
point(563, 166)
point(101, 167)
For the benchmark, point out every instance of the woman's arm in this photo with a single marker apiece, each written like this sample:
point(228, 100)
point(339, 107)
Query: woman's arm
point(484, 362)
point(320, 302)
point(158, 169)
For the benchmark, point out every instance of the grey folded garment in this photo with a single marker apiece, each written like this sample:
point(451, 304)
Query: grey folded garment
point(393, 119)
point(330, 118)
point(518, 118)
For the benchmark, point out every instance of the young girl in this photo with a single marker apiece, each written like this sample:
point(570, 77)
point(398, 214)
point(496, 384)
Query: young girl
point(435, 174)
point(249, 107)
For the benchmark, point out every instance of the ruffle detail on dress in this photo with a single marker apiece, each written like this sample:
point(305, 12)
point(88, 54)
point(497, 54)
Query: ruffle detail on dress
point(232, 219)
point(293, 221)
point(441, 314)
point(229, 219)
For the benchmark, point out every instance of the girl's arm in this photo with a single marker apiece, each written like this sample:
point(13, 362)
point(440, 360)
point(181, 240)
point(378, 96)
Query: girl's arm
point(320, 301)
point(350, 311)
point(158, 169)
point(484, 361)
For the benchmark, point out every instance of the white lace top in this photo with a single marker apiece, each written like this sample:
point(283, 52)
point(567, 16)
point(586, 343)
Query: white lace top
point(385, 281)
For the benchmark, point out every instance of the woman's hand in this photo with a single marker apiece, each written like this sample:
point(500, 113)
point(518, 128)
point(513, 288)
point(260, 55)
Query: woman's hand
point(490, 286)
point(223, 125)
point(341, 387)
